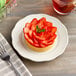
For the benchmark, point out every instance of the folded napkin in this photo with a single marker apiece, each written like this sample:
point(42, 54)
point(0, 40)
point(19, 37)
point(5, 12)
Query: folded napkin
point(5, 68)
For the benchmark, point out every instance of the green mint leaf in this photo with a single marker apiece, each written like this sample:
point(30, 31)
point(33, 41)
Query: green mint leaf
point(37, 27)
point(39, 30)
point(43, 30)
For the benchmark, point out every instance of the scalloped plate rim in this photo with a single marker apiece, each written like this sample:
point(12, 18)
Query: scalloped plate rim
point(43, 59)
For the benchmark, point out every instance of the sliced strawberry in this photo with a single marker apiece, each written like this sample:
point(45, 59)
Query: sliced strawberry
point(30, 33)
point(41, 22)
point(28, 25)
point(41, 35)
point(33, 27)
point(42, 45)
point(49, 24)
point(45, 35)
point(50, 43)
point(36, 45)
point(43, 19)
point(54, 29)
point(25, 30)
point(34, 21)
point(35, 40)
point(52, 38)
point(48, 27)
point(33, 24)
point(28, 39)
point(37, 37)
point(40, 25)
point(46, 43)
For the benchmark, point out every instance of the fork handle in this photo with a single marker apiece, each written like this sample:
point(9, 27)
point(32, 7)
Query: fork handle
point(14, 68)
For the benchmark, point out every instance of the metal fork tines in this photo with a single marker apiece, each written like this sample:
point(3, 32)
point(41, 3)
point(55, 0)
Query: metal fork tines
point(6, 57)
point(3, 54)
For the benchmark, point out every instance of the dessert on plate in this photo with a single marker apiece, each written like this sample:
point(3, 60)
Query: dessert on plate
point(40, 35)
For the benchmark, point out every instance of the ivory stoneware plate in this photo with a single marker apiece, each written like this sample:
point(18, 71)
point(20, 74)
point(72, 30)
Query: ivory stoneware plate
point(57, 49)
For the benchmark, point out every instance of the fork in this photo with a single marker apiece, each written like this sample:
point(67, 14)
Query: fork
point(6, 57)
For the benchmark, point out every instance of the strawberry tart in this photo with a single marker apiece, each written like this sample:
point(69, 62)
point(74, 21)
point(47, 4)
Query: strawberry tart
point(40, 35)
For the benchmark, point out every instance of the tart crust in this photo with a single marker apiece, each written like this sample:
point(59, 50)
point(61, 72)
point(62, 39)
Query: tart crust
point(37, 49)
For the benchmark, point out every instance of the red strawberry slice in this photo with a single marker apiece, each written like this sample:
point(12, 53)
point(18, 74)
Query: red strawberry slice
point(52, 38)
point(41, 22)
point(33, 24)
point(40, 25)
point(41, 35)
point(43, 19)
point(49, 24)
point(30, 33)
point(28, 39)
point(34, 21)
point(46, 42)
point(50, 43)
point(33, 27)
point(36, 45)
point(42, 45)
point(28, 25)
point(37, 37)
point(46, 35)
point(48, 27)
point(26, 30)
point(35, 40)
point(54, 29)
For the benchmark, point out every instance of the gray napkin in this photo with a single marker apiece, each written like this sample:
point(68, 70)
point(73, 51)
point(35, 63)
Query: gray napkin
point(5, 69)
